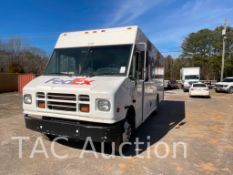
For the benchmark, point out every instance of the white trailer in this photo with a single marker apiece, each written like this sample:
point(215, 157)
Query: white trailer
point(101, 84)
point(189, 75)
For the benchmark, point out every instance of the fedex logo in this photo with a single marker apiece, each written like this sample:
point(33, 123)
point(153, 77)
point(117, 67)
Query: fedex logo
point(76, 81)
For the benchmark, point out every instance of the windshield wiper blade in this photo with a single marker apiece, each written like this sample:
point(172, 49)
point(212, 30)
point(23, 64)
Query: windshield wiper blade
point(105, 73)
point(60, 73)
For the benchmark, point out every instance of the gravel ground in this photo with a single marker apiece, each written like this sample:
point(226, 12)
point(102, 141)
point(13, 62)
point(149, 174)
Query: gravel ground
point(201, 127)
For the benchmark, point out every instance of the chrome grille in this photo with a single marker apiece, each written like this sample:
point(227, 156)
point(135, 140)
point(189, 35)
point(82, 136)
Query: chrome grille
point(62, 101)
point(40, 95)
point(84, 98)
point(64, 106)
point(57, 96)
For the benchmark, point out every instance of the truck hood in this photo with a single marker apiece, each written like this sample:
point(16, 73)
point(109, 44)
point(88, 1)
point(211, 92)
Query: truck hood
point(100, 84)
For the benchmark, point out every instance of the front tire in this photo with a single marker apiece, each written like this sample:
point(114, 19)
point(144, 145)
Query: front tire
point(127, 135)
point(48, 136)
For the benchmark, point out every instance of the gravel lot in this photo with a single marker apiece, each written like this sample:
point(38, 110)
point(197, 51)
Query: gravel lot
point(204, 125)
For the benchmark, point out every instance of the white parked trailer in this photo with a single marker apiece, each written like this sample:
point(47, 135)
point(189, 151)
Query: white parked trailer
point(99, 83)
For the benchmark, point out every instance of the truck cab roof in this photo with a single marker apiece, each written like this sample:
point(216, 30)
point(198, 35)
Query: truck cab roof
point(98, 37)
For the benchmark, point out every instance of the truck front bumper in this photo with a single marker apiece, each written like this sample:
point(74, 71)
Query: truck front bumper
point(75, 129)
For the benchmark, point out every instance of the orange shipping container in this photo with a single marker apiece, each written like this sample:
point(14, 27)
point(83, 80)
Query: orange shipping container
point(23, 79)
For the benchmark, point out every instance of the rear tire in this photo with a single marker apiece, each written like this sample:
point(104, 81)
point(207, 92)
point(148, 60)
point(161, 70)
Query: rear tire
point(157, 106)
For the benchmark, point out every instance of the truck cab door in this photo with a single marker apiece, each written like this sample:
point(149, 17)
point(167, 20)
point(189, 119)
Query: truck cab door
point(137, 79)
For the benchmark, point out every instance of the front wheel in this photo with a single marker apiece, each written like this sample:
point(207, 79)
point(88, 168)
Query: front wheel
point(126, 136)
point(48, 137)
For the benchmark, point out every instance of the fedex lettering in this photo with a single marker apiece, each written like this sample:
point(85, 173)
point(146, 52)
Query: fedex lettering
point(77, 81)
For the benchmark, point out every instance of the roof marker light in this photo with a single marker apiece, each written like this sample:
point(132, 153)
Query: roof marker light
point(129, 28)
point(103, 30)
point(94, 31)
point(86, 32)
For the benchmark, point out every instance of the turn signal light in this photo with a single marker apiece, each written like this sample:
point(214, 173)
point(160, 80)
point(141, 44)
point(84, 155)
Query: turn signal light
point(41, 104)
point(84, 107)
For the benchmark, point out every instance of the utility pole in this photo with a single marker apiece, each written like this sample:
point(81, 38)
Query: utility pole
point(223, 47)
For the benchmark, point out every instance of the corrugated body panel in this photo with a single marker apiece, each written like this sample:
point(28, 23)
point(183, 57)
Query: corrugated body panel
point(23, 79)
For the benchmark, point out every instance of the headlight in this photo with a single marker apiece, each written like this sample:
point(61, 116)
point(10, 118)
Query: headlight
point(27, 99)
point(103, 104)
point(225, 86)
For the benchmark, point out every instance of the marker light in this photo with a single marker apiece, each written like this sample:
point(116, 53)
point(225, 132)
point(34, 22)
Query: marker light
point(84, 107)
point(41, 104)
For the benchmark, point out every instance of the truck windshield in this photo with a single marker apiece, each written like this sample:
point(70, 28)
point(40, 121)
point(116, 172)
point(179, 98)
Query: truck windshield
point(90, 61)
point(191, 77)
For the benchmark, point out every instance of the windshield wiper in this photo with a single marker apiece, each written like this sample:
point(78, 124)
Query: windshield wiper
point(104, 73)
point(60, 73)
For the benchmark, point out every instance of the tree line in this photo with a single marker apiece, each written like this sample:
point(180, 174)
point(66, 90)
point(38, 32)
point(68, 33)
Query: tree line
point(199, 49)
point(16, 56)
point(203, 49)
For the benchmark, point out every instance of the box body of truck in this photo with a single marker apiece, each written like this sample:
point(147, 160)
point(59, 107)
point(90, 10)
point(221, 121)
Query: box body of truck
point(98, 83)
point(189, 75)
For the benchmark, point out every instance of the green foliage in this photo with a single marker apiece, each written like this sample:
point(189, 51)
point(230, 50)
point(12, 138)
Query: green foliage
point(197, 45)
point(204, 49)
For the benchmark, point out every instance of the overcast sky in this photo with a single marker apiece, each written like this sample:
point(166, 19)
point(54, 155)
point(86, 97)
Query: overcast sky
point(165, 22)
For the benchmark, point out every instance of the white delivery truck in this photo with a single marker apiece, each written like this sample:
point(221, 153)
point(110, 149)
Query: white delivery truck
point(188, 76)
point(101, 84)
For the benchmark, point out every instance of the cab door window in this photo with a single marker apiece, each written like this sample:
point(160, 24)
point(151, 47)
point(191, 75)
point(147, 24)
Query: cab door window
point(137, 65)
